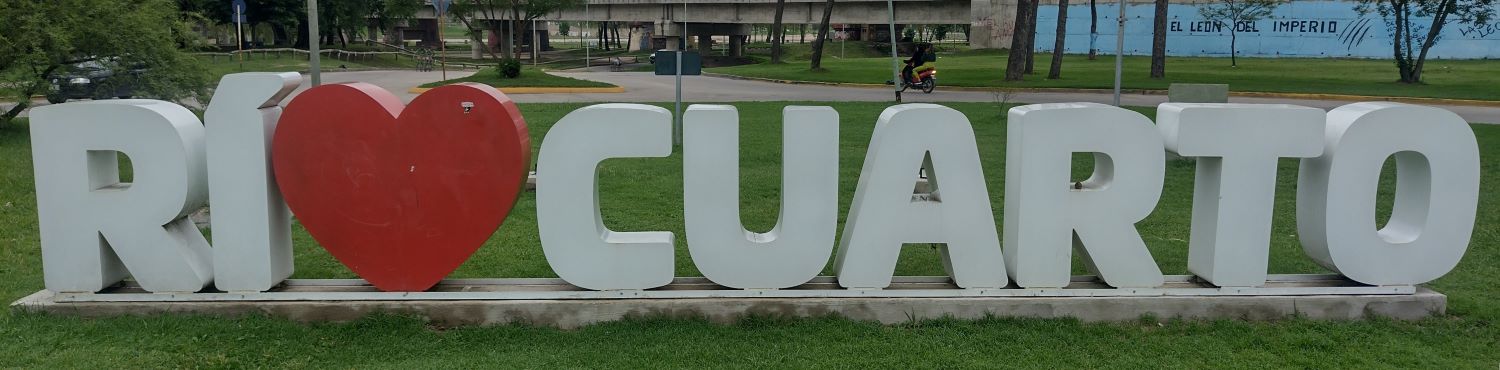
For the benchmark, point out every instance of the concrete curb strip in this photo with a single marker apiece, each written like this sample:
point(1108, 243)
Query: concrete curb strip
point(571, 314)
point(554, 302)
point(1246, 94)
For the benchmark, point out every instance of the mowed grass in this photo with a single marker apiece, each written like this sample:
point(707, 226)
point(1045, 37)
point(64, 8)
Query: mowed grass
point(1452, 79)
point(645, 194)
point(530, 77)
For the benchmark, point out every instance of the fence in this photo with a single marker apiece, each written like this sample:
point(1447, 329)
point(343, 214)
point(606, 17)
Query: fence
point(424, 59)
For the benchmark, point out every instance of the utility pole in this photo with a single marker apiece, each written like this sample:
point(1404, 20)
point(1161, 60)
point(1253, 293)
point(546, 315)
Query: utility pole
point(1119, 51)
point(239, 32)
point(534, 43)
point(312, 45)
point(890, 7)
point(583, 33)
point(677, 113)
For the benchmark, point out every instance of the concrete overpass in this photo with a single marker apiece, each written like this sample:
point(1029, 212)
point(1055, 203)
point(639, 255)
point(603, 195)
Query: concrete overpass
point(661, 20)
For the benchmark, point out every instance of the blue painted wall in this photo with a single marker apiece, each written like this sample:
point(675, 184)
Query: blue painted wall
point(1295, 29)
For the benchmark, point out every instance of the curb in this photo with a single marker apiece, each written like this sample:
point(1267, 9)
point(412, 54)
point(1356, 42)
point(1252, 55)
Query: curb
point(1244, 94)
point(542, 90)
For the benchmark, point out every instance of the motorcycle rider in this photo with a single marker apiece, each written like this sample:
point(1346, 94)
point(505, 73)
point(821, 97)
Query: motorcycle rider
point(918, 58)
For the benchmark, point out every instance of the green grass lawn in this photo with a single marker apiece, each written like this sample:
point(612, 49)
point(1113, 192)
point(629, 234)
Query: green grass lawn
point(1454, 79)
point(646, 194)
point(530, 77)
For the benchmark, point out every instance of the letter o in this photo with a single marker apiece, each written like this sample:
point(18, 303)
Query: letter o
point(1437, 193)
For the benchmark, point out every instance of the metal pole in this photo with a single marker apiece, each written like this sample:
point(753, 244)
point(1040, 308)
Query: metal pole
point(312, 45)
point(442, 48)
point(239, 34)
point(533, 43)
point(583, 33)
point(677, 110)
point(890, 7)
point(1119, 51)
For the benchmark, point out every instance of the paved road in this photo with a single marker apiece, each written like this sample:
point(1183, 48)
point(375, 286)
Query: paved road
point(646, 87)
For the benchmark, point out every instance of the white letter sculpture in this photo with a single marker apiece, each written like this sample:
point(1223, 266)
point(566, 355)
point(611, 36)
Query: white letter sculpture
point(96, 229)
point(884, 214)
point(251, 223)
point(577, 244)
point(1437, 192)
point(1044, 213)
point(797, 248)
point(1237, 147)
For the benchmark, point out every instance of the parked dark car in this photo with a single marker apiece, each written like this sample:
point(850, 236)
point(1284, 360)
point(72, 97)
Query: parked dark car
point(94, 80)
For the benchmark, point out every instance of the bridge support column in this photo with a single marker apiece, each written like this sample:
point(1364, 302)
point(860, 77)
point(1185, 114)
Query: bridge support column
point(705, 43)
point(737, 45)
point(991, 23)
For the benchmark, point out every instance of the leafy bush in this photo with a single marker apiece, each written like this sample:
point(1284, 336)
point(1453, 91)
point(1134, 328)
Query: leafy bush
point(510, 68)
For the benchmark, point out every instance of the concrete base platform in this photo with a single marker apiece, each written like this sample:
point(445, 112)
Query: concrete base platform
point(498, 301)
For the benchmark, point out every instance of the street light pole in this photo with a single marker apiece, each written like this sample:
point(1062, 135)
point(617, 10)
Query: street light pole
point(677, 110)
point(582, 35)
point(1119, 51)
point(312, 44)
point(890, 7)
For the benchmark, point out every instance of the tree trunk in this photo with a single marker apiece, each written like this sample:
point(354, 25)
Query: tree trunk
point(802, 30)
point(1015, 64)
point(1062, 36)
point(1036, 7)
point(1093, 29)
point(1159, 41)
point(303, 36)
point(278, 35)
point(777, 29)
point(1233, 48)
point(1433, 31)
point(614, 33)
point(817, 46)
point(1402, 64)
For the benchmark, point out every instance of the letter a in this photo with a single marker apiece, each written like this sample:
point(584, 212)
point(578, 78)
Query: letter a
point(884, 214)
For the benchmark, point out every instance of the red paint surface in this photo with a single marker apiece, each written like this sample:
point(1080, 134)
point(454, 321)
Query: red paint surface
point(401, 195)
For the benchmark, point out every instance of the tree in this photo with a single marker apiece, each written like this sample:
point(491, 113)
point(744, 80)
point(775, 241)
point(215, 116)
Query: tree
point(391, 11)
point(1411, 38)
point(1159, 41)
point(501, 15)
point(39, 40)
point(777, 32)
point(1093, 29)
point(1015, 64)
point(817, 52)
point(940, 32)
point(1234, 14)
point(1062, 36)
point(280, 14)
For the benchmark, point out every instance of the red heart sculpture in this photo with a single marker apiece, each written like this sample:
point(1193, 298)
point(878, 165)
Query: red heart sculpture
point(401, 196)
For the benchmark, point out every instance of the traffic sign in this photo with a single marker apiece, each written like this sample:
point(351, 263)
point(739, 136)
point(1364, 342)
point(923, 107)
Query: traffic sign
point(238, 11)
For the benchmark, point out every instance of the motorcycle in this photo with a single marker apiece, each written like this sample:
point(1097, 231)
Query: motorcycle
point(925, 79)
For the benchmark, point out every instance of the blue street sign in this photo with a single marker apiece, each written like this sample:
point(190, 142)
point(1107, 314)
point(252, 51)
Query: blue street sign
point(441, 5)
point(238, 11)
